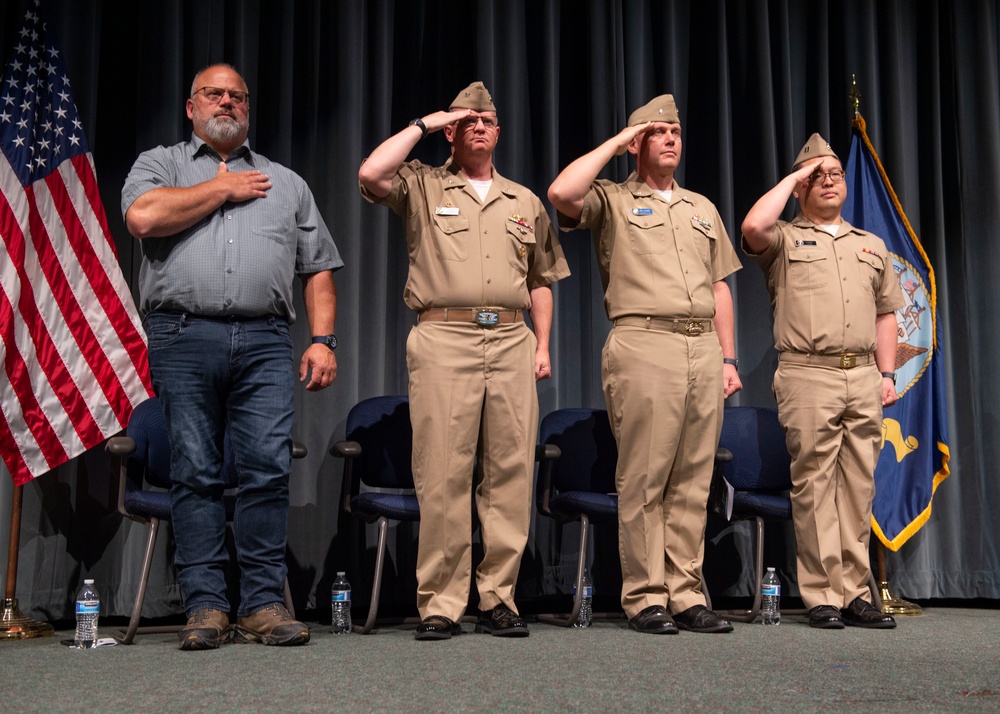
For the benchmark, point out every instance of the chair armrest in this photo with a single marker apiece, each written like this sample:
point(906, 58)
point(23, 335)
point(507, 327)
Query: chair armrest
point(547, 452)
point(346, 449)
point(299, 450)
point(546, 455)
point(120, 445)
point(718, 496)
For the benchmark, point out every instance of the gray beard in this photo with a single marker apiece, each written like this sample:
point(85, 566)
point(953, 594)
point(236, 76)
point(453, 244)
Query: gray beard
point(224, 129)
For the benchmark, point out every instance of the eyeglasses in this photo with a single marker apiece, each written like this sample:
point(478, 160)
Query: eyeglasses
point(472, 122)
point(819, 178)
point(215, 95)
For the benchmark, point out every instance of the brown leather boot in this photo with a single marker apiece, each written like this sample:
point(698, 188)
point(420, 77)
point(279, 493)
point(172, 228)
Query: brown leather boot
point(271, 626)
point(205, 630)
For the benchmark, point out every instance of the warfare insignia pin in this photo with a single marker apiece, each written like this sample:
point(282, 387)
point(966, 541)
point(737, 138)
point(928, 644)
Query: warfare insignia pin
point(515, 218)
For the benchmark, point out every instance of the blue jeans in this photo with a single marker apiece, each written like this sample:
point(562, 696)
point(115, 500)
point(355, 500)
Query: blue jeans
point(214, 374)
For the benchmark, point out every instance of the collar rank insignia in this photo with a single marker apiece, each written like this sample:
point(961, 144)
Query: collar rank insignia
point(702, 222)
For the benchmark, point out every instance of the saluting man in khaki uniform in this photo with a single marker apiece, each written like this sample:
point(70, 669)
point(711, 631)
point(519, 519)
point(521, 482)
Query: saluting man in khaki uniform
point(482, 251)
point(834, 292)
point(668, 362)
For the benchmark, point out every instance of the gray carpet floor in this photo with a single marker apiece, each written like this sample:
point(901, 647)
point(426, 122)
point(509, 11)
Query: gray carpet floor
point(946, 660)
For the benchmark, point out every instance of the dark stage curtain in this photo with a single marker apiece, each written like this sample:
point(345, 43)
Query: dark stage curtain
point(753, 79)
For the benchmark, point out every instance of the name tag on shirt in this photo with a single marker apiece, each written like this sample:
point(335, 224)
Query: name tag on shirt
point(446, 211)
point(805, 242)
point(642, 211)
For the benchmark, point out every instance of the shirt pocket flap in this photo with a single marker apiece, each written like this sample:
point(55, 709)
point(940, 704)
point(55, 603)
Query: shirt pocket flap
point(451, 224)
point(810, 255)
point(521, 234)
point(872, 260)
point(645, 222)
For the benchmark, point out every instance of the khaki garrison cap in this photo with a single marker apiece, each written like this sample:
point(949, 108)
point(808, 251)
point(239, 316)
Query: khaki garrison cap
point(817, 147)
point(475, 97)
point(660, 109)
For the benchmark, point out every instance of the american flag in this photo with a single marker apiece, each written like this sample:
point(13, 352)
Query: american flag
point(72, 346)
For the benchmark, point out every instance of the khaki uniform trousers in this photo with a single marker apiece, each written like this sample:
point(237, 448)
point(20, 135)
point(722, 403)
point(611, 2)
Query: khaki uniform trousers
point(469, 386)
point(833, 427)
point(664, 398)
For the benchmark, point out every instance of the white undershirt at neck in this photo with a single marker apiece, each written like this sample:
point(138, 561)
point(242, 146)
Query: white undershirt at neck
point(665, 194)
point(482, 187)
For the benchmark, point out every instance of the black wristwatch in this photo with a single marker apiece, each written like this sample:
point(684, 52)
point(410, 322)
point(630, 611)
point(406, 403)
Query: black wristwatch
point(890, 375)
point(734, 362)
point(420, 123)
point(328, 340)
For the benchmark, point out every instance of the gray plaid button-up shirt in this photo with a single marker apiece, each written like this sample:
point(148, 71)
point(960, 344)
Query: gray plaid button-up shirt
point(242, 259)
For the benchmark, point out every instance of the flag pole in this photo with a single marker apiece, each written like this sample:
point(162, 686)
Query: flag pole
point(891, 604)
point(15, 625)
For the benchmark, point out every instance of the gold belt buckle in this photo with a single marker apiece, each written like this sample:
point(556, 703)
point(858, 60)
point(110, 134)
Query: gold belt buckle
point(848, 361)
point(693, 328)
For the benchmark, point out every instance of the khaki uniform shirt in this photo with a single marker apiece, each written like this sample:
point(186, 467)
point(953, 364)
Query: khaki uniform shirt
point(656, 259)
point(470, 253)
point(827, 290)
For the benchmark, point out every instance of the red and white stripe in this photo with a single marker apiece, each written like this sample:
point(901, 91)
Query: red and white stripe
point(72, 346)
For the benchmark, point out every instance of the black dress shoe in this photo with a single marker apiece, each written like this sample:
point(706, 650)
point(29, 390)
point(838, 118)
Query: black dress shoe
point(437, 627)
point(654, 620)
point(861, 613)
point(501, 621)
point(700, 619)
point(826, 617)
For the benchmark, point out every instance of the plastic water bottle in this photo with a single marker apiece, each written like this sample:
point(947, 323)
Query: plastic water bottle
point(770, 598)
point(340, 602)
point(586, 616)
point(88, 609)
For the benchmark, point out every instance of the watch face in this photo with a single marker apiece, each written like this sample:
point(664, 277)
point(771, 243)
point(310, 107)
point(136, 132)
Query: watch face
point(331, 341)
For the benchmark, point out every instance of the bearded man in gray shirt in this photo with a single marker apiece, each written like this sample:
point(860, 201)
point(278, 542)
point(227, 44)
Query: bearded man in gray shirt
point(223, 233)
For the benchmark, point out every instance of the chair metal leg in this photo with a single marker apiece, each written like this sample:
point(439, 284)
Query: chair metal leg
point(758, 569)
point(288, 599)
point(383, 530)
point(125, 637)
point(581, 564)
point(751, 614)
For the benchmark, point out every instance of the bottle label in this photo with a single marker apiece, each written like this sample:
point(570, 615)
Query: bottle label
point(88, 607)
point(771, 590)
point(342, 596)
point(588, 592)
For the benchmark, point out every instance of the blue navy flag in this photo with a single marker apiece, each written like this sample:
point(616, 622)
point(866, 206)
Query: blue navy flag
point(915, 451)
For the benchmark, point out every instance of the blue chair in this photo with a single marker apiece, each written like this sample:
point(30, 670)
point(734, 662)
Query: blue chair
point(577, 457)
point(377, 453)
point(144, 493)
point(755, 484)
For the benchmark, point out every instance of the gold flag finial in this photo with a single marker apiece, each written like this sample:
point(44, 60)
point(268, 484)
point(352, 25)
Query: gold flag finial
point(855, 96)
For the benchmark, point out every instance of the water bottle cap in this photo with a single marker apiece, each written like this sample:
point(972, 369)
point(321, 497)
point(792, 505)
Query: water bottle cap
point(339, 573)
point(88, 581)
point(770, 570)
